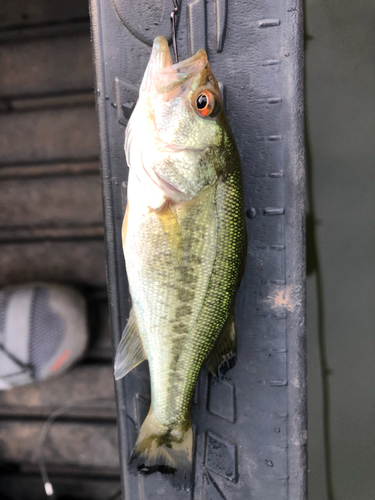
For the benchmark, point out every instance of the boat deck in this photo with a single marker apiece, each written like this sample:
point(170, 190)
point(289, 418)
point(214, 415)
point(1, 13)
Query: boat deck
point(51, 229)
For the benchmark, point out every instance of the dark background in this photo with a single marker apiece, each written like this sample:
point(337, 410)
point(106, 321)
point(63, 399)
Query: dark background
point(51, 229)
point(340, 110)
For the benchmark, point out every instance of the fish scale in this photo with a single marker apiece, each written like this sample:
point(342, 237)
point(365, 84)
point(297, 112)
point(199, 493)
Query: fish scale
point(184, 242)
point(164, 285)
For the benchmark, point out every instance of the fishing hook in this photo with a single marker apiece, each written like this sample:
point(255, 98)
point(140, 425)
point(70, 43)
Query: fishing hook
point(173, 26)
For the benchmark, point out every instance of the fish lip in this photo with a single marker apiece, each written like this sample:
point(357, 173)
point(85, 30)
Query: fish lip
point(161, 44)
point(167, 76)
point(170, 77)
point(199, 60)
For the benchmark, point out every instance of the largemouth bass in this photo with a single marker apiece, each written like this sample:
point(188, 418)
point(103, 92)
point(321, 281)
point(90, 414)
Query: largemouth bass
point(184, 243)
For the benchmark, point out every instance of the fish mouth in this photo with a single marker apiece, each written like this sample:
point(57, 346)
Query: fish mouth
point(166, 76)
point(171, 77)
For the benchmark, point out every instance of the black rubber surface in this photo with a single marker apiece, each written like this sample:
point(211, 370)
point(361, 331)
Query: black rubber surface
point(250, 431)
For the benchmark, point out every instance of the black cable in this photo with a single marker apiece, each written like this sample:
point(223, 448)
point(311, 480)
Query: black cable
point(173, 26)
point(314, 267)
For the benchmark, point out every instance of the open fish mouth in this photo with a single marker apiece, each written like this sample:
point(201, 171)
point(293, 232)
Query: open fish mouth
point(171, 77)
point(164, 75)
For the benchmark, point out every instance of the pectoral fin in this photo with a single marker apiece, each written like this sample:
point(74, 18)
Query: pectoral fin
point(172, 230)
point(129, 352)
point(223, 356)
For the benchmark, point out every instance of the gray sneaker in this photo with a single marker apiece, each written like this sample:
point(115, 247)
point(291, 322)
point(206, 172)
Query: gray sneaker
point(43, 331)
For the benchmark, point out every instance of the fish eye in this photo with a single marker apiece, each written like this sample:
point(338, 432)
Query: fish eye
point(204, 103)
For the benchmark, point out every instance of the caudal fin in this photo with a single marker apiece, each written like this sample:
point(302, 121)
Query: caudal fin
point(164, 449)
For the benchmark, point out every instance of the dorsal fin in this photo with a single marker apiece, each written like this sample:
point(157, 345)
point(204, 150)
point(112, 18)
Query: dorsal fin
point(223, 356)
point(130, 351)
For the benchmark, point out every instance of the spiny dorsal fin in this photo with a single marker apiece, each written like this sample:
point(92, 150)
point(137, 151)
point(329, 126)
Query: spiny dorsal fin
point(223, 356)
point(129, 352)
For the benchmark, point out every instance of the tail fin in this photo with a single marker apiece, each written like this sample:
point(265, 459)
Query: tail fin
point(164, 449)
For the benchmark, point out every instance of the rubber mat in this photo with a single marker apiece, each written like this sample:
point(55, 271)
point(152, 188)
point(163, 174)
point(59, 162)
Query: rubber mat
point(250, 431)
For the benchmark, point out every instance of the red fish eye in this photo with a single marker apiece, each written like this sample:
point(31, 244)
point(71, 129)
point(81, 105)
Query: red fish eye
point(205, 103)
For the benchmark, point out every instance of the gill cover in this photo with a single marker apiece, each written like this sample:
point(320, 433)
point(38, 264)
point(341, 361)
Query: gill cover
point(169, 138)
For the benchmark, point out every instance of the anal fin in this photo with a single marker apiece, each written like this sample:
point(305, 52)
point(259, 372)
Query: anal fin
point(130, 351)
point(223, 356)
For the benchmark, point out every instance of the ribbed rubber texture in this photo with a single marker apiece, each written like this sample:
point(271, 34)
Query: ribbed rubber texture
point(250, 431)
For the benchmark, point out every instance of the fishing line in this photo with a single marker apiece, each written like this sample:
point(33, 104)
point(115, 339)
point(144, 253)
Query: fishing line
point(173, 26)
point(48, 488)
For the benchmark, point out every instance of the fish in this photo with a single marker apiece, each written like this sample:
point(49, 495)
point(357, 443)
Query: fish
point(184, 242)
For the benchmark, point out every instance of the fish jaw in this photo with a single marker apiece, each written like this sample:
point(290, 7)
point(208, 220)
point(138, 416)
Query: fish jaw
point(162, 77)
point(160, 59)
